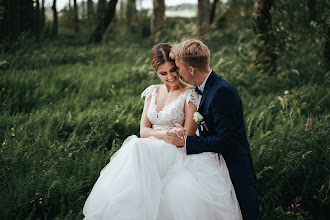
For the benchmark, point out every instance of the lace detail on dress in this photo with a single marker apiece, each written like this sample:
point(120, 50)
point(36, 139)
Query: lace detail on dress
point(192, 96)
point(172, 113)
point(149, 91)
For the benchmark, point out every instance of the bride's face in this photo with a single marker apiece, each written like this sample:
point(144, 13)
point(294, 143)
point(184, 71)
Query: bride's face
point(168, 74)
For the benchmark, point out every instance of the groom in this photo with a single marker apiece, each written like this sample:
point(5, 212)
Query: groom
point(222, 129)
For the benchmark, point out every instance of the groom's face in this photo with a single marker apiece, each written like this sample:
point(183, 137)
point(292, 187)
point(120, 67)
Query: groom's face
point(183, 70)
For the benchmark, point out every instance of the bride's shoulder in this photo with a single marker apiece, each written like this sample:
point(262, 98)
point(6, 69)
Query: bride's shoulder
point(189, 90)
point(157, 86)
point(191, 95)
point(149, 91)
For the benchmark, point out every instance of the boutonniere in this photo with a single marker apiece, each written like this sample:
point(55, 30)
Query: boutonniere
point(199, 119)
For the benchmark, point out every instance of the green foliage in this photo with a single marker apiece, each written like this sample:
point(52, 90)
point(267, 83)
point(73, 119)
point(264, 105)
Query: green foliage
point(66, 107)
point(292, 25)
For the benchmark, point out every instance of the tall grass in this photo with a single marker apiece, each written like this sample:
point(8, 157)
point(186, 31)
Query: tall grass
point(66, 107)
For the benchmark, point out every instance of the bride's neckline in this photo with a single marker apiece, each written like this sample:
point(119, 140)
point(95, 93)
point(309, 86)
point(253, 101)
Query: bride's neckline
point(166, 106)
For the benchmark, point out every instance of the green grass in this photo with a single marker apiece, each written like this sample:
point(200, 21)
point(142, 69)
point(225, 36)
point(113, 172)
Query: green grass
point(65, 103)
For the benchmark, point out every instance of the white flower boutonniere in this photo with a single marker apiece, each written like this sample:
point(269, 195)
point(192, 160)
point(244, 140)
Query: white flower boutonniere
point(199, 119)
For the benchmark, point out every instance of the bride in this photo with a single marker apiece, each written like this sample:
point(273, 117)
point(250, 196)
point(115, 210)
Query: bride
point(148, 178)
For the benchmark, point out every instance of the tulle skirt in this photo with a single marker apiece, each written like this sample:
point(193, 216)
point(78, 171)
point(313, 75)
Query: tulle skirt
point(149, 179)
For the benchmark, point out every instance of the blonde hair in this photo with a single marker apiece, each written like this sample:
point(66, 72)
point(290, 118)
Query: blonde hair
point(192, 52)
point(160, 54)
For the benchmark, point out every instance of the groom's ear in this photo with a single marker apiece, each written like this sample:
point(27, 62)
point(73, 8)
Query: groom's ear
point(192, 70)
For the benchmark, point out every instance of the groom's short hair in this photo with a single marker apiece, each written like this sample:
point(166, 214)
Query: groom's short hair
point(193, 52)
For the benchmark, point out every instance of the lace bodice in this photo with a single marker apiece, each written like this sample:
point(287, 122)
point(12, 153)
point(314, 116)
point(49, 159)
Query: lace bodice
point(172, 113)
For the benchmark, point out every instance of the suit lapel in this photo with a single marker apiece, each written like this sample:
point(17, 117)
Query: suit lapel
point(212, 78)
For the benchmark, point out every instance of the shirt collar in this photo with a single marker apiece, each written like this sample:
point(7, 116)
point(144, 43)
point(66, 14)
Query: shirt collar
point(202, 86)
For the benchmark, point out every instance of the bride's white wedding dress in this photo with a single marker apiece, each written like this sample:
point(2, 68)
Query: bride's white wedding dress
point(149, 179)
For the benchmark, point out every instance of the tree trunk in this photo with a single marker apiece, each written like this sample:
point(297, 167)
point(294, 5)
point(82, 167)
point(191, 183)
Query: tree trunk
point(83, 15)
point(247, 7)
point(101, 6)
point(43, 18)
point(122, 11)
point(157, 19)
point(262, 9)
point(21, 19)
point(27, 15)
point(55, 19)
point(234, 6)
point(37, 17)
point(263, 53)
point(70, 15)
point(327, 47)
point(223, 18)
point(131, 12)
point(90, 9)
point(311, 6)
point(104, 22)
point(75, 16)
point(214, 7)
point(18, 18)
point(13, 24)
point(203, 19)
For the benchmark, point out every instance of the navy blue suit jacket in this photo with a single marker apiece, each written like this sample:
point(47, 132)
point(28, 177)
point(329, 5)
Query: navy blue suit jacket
point(222, 110)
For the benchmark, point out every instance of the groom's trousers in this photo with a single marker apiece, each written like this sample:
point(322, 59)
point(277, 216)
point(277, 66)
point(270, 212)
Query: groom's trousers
point(248, 200)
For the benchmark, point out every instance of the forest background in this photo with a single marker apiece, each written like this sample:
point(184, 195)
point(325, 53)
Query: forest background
point(71, 82)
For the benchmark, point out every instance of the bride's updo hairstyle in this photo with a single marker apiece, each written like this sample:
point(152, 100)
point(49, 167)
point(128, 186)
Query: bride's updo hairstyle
point(160, 54)
point(192, 52)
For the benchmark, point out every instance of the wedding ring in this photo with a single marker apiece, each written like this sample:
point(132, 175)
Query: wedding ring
point(173, 132)
point(181, 138)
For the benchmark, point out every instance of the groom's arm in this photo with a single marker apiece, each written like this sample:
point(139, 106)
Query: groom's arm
point(226, 111)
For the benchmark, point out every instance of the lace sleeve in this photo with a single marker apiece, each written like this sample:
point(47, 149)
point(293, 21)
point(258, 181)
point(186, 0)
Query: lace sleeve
point(192, 96)
point(148, 92)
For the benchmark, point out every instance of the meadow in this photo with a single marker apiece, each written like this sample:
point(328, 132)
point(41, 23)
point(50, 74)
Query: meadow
point(67, 106)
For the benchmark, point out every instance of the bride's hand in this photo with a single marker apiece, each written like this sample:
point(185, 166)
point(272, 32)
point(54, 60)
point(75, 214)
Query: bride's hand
point(179, 132)
point(171, 138)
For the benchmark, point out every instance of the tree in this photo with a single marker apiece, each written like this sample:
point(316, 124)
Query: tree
point(263, 53)
point(90, 9)
point(157, 19)
point(20, 16)
point(212, 13)
point(130, 12)
point(101, 8)
point(36, 22)
point(43, 17)
point(13, 24)
point(223, 18)
point(83, 13)
point(104, 22)
point(75, 16)
point(122, 11)
point(203, 15)
point(55, 19)
point(311, 6)
point(327, 47)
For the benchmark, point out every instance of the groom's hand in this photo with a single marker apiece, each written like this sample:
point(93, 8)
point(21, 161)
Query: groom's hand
point(173, 139)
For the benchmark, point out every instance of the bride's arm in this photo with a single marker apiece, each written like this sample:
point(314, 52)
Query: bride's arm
point(190, 125)
point(145, 126)
point(189, 128)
